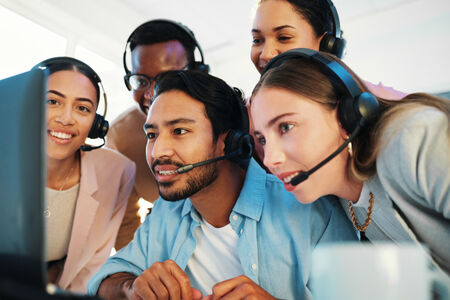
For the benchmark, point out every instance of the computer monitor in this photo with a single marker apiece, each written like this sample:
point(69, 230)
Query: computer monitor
point(22, 178)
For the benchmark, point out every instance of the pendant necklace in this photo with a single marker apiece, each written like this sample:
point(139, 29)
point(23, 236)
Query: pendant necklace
point(47, 212)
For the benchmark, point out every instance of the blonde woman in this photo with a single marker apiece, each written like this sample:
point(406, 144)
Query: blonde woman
point(395, 175)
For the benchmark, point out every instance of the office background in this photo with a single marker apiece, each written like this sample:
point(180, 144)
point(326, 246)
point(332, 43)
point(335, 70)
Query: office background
point(402, 43)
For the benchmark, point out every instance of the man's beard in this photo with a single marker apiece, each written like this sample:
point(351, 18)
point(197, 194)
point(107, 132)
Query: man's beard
point(199, 179)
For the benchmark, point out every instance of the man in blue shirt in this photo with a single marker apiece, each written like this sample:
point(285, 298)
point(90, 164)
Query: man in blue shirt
point(225, 227)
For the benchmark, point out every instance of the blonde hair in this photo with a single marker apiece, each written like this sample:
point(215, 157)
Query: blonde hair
point(305, 77)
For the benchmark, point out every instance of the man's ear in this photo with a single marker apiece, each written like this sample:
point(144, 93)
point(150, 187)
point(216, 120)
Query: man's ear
point(220, 144)
point(319, 40)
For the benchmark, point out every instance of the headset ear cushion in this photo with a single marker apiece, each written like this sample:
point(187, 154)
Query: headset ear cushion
point(199, 66)
point(239, 145)
point(333, 45)
point(339, 47)
point(348, 113)
point(246, 146)
point(127, 82)
point(368, 107)
point(364, 109)
point(231, 142)
point(99, 127)
point(327, 42)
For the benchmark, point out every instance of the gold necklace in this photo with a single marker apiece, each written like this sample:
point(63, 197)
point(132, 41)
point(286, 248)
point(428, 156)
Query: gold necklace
point(47, 213)
point(369, 214)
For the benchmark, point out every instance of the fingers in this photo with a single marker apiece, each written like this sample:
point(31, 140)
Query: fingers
point(163, 283)
point(240, 287)
point(163, 280)
point(181, 278)
point(141, 289)
point(196, 294)
point(225, 287)
point(129, 292)
point(242, 291)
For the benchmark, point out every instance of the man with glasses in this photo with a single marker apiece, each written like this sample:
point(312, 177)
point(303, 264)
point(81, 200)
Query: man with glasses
point(156, 46)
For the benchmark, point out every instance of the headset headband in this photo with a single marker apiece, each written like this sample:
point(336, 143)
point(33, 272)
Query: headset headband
point(332, 42)
point(354, 106)
point(179, 25)
point(80, 65)
point(100, 125)
point(335, 20)
point(332, 68)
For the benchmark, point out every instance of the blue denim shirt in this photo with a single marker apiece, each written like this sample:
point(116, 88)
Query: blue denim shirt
point(277, 235)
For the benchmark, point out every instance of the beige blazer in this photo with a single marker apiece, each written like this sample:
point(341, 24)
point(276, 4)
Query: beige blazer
point(106, 181)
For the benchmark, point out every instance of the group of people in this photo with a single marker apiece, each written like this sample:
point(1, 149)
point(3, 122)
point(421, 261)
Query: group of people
point(247, 188)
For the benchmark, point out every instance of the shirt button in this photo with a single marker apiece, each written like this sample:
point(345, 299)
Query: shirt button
point(235, 217)
point(254, 267)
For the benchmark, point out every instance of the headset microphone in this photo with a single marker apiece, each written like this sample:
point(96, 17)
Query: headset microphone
point(304, 175)
point(355, 108)
point(189, 167)
point(238, 148)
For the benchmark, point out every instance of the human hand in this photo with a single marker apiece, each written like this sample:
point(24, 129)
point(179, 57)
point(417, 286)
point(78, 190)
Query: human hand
point(163, 280)
point(240, 287)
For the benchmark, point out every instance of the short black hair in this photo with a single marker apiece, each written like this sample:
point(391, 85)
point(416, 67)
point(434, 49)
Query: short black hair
point(224, 105)
point(159, 31)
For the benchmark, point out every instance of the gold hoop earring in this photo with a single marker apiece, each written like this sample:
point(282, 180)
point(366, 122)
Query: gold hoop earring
point(350, 149)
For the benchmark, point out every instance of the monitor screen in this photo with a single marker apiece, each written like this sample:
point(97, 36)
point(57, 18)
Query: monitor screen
point(22, 178)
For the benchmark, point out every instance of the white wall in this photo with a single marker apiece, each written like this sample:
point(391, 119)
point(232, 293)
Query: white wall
point(403, 43)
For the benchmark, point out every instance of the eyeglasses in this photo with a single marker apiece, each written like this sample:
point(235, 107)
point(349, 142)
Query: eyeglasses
point(139, 82)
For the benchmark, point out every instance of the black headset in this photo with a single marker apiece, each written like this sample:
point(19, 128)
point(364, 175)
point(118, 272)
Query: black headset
point(194, 65)
point(354, 106)
point(332, 42)
point(239, 147)
point(100, 126)
point(239, 144)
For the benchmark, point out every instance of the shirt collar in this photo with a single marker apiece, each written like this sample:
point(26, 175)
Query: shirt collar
point(187, 207)
point(363, 200)
point(251, 198)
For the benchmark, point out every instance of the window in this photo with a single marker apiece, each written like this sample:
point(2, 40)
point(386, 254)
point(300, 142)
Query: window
point(22, 36)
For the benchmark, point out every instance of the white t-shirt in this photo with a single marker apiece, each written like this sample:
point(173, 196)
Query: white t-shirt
point(59, 213)
point(215, 257)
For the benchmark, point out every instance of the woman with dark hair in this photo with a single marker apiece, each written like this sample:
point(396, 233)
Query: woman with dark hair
point(87, 191)
point(281, 25)
point(395, 174)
